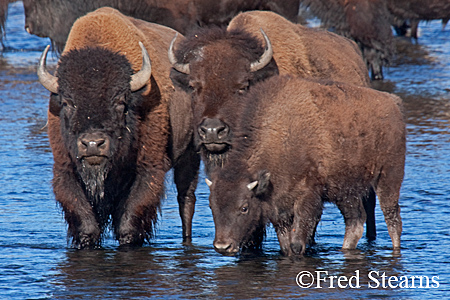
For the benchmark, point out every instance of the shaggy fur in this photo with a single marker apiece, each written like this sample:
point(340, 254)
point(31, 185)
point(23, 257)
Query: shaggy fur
point(367, 22)
point(148, 133)
point(303, 143)
point(220, 59)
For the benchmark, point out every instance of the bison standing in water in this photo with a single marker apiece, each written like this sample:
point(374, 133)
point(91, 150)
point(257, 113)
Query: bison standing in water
point(54, 18)
point(218, 64)
point(301, 143)
point(115, 134)
point(367, 22)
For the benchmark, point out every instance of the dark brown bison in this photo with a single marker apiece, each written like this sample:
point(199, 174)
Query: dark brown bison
point(299, 144)
point(3, 15)
point(54, 18)
point(216, 64)
point(221, 12)
point(415, 11)
point(367, 22)
point(115, 134)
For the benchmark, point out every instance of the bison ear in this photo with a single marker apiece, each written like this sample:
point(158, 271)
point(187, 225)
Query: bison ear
point(261, 186)
point(54, 105)
point(263, 183)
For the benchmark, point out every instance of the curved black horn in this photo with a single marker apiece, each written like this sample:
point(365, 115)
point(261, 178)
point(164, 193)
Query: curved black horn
point(265, 57)
point(183, 68)
point(49, 81)
point(139, 79)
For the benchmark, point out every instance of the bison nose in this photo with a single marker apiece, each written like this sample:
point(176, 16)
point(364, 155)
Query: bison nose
point(225, 247)
point(213, 130)
point(93, 144)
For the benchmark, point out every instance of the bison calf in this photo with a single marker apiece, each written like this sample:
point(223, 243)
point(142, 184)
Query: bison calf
point(299, 144)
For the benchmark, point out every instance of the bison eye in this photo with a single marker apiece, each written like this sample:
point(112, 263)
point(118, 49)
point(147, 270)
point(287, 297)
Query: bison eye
point(243, 89)
point(121, 106)
point(66, 102)
point(196, 86)
point(244, 209)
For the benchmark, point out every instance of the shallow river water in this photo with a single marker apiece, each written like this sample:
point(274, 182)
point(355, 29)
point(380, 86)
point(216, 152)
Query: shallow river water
point(36, 262)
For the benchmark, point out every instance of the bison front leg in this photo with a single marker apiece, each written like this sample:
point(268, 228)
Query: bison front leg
point(84, 230)
point(307, 214)
point(185, 177)
point(135, 216)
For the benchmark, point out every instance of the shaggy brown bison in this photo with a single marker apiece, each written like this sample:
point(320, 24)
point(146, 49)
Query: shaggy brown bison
point(299, 144)
point(216, 64)
point(415, 11)
point(54, 18)
point(115, 134)
point(367, 22)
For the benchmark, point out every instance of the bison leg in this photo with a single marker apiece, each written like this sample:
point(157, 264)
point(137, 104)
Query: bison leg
point(84, 230)
point(414, 28)
point(369, 206)
point(307, 215)
point(185, 177)
point(352, 210)
point(136, 215)
point(284, 241)
point(388, 192)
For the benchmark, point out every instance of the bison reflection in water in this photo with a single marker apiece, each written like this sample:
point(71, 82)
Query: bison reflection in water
point(111, 132)
point(300, 143)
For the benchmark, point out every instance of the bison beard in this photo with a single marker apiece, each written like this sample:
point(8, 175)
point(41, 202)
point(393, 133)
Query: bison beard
point(93, 177)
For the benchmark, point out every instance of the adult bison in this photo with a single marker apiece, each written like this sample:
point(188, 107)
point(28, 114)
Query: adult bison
point(367, 22)
point(299, 144)
point(115, 134)
point(415, 11)
point(216, 64)
point(54, 18)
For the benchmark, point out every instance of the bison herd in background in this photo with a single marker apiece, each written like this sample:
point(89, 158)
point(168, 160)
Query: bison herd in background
point(367, 22)
point(283, 116)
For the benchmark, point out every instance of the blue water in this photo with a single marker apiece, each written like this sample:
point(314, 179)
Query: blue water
point(36, 262)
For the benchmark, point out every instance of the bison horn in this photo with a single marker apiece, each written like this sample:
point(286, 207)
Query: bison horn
point(265, 58)
point(183, 68)
point(139, 79)
point(252, 185)
point(49, 81)
point(208, 182)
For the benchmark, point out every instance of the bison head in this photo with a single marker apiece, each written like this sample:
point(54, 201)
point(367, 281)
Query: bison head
point(217, 67)
point(238, 206)
point(97, 99)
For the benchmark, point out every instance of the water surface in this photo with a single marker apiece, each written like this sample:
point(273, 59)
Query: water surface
point(36, 262)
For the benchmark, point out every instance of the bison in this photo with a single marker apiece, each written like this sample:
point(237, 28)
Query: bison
point(301, 143)
point(3, 14)
point(54, 18)
point(415, 11)
point(115, 134)
point(367, 22)
point(215, 64)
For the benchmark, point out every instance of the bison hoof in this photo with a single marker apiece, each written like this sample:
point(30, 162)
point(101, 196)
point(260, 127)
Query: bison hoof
point(130, 239)
point(88, 237)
